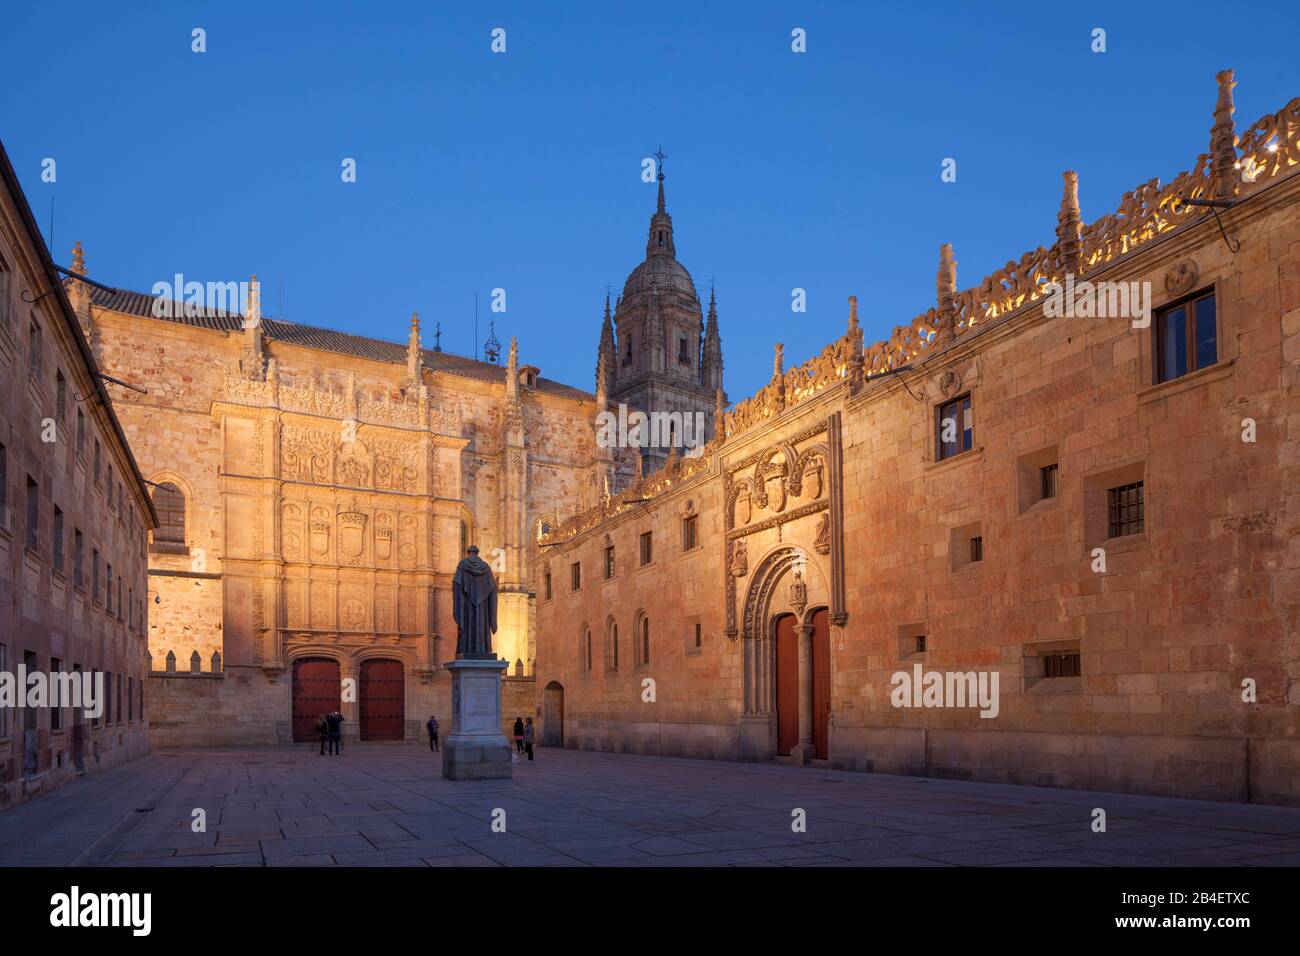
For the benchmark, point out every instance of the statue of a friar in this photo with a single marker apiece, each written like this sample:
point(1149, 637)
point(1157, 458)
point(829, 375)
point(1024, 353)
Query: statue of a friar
point(474, 605)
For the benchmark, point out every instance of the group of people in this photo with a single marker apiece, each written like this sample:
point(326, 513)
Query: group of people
point(330, 728)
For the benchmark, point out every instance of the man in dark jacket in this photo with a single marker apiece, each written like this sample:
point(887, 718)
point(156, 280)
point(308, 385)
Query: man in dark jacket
point(322, 728)
point(335, 722)
point(432, 726)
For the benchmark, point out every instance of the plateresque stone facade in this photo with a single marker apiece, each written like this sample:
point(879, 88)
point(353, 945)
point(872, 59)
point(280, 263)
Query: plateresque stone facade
point(1097, 512)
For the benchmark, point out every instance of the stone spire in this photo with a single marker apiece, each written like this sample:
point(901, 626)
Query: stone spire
point(946, 287)
point(1069, 224)
point(79, 292)
point(606, 354)
point(719, 415)
point(660, 242)
point(1223, 140)
point(254, 358)
point(711, 362)
point(602, 382)
point(413, 353)
point(514, 411)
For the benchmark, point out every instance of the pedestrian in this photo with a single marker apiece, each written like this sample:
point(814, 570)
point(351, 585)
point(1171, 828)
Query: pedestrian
point(528, 739)
point(432, 725)
point(519, 735)
point(322, 729)
point(335, 722)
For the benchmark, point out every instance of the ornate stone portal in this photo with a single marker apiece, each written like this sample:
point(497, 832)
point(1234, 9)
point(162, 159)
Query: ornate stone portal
point(476, 748)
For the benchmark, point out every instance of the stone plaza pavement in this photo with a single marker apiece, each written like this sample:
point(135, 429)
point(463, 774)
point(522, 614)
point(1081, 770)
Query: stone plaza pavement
point(380, 805)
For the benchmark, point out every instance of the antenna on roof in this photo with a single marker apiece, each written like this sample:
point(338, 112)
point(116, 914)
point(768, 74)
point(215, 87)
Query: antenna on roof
point(437, 337)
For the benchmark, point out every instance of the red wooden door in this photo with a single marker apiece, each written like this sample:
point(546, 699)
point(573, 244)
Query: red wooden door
point(383, 700)
point(821, 668)
point(316, 692)
point(787, 685)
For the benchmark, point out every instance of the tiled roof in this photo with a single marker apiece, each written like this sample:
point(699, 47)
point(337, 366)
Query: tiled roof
point(326, 340)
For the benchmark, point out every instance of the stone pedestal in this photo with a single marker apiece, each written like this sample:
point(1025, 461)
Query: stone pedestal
point(476, 749)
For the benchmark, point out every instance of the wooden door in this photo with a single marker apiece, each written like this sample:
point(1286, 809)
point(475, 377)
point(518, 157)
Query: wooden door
point(821, 668)
point(316, 692)
point(787, 685)
point(383, 700)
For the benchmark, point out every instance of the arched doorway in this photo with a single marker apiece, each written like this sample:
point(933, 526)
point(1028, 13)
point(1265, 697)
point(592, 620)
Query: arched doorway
point(383, 700)
point(317, 690)
point(553, 715)
point(787, 685)
point(821, 689)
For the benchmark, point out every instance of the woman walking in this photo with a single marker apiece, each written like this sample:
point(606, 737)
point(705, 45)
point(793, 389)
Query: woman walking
point(528, 738)
point(519, 735)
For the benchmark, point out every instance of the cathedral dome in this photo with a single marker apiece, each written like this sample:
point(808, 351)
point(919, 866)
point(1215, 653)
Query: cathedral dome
point(661, 276)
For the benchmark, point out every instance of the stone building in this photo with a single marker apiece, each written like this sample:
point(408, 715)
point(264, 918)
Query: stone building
point(1016, 542)
point(74, 522)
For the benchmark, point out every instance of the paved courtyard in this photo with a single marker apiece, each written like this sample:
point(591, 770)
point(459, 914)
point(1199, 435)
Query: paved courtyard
point(389, 806)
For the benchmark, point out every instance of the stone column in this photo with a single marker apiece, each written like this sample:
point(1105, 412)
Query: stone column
point(804, 750)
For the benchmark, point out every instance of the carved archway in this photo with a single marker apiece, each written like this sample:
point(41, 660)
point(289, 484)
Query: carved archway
point(756, 632)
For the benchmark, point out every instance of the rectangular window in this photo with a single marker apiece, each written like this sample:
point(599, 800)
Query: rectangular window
point(34, 348)
point(98, 460)
point(609, 561)
point(546, 582)
point(130, 608)
point(575, 576)
point(78, 553)
point(683, 353)
point(109, 582)
point(647, 547)
point(955, 428)
point(56, 703)
point(109, 485)
point(81, 433)
point(58, 539)
point(119, 698)
point(1047, 475)
point(60, 395)
point(920, 644)
point(119, 597)
point(1062, 665)
point(94, 574)
point(1186, 338)
point(698, 634)
point(1125, 510)
point(33, 515)
point(977, 548)
point(689, 532)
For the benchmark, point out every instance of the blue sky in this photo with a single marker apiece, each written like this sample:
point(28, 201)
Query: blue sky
point(522, 170)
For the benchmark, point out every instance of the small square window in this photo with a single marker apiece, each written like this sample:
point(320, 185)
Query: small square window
point(575, 576)
point(977, 548)
point(1047, 477)
point(647, 547)
point(1125, 510)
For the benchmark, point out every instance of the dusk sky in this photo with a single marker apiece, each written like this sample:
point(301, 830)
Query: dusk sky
point(522, 170)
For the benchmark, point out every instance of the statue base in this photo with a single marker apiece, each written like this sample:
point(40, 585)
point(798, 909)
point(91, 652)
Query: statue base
point(476, 749)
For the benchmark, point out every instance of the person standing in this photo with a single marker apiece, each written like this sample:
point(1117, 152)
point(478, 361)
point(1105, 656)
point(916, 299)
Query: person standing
point(528, 738)
point(335, 722)
point(322, 728)
point(432, 726)
point(519, 735)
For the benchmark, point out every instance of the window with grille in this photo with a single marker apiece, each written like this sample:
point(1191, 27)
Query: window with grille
point(609, 561)
point(1065, 664)
point(1047, 477)
point(1125, 510)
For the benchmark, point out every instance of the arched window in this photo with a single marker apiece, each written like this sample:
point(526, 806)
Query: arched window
point(584, 650)
point(645, 640)
point(467, 534)
point(611, 646)
point(169, 536)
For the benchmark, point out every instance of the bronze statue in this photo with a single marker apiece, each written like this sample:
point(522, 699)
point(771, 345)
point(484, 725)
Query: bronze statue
point(474, 605)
